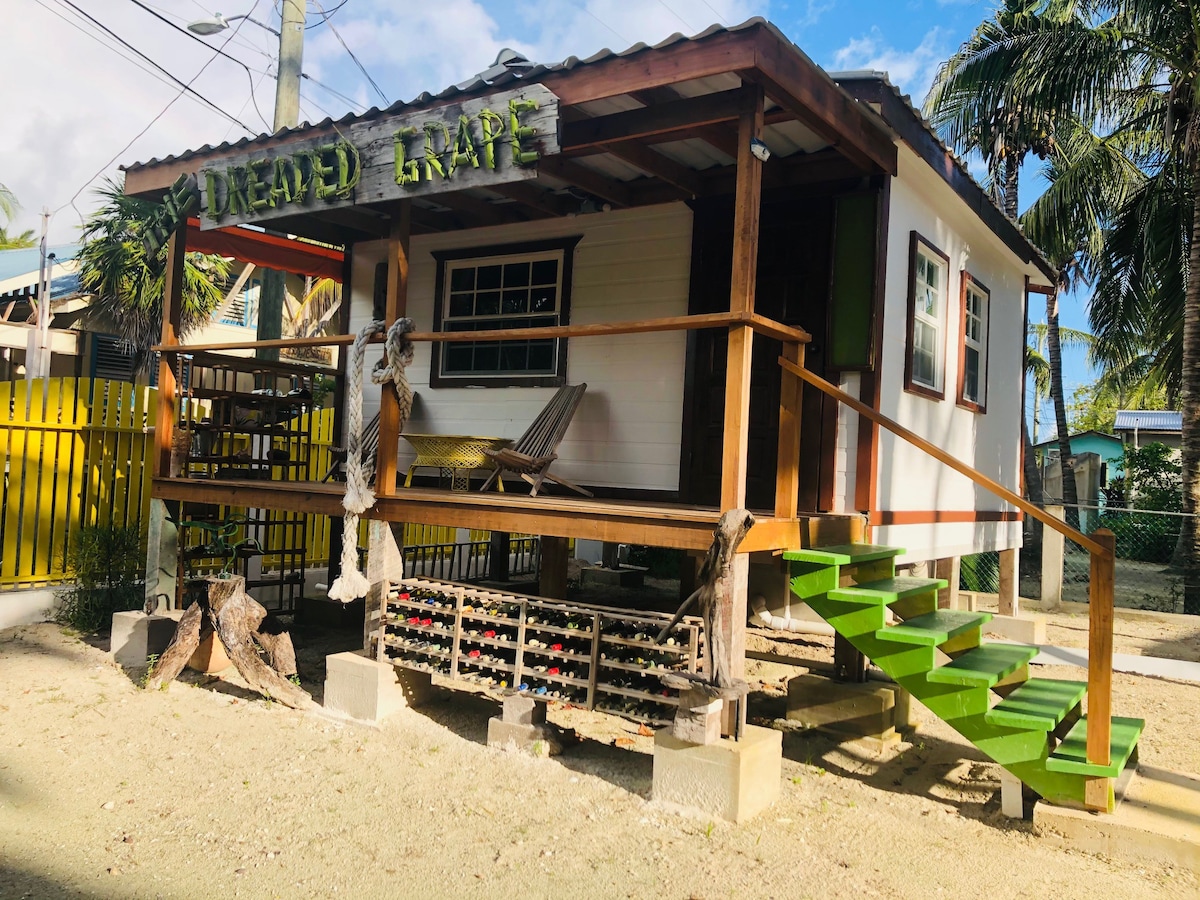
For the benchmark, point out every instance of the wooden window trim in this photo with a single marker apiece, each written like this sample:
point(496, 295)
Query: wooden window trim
point(968, 280)
point(916, 240)
point(567, 246)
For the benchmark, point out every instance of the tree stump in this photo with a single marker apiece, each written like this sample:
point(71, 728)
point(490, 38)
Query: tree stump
point(243, 626)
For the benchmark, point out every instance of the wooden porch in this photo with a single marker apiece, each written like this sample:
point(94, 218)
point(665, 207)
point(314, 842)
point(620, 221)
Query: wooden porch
point(618, 521)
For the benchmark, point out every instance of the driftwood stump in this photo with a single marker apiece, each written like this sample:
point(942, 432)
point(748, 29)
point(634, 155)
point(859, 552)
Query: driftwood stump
point(714, 596)
point(243, 626)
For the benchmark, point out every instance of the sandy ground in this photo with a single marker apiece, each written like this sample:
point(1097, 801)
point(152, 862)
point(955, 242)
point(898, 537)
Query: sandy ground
point(205, 791)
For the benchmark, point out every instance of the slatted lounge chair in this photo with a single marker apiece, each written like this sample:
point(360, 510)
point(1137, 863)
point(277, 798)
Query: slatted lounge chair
point(370, 451)
point(531, 456)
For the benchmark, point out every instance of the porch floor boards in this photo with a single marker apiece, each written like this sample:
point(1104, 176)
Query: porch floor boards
point(624, 521)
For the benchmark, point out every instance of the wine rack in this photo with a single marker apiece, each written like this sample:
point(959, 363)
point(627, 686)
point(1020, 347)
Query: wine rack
point(597, 657)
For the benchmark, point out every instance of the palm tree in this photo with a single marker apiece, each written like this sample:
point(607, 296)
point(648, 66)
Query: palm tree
point(1131, 67)
point(8, 208)
point(128, 285)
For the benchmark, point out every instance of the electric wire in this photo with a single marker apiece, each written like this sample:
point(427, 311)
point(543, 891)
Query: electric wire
point(185, 85)
point(686, 23)
point(361, 67)
point(201, 41)
point(354, 104)
point(329, 16)
point(716, 12)
point(149, 125)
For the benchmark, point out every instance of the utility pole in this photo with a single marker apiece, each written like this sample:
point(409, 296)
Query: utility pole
point(37, 355)
point(287, 115)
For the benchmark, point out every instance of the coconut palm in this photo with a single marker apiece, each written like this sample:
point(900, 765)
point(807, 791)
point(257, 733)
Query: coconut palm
point(128, 285)
point(1131, 67)
point(8, 208)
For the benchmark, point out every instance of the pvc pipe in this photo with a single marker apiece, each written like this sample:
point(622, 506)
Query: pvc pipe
point(762, 616)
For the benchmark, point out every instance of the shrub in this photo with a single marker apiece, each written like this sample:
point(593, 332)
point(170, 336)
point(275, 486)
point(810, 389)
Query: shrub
point(980, 573)
point(107, 561)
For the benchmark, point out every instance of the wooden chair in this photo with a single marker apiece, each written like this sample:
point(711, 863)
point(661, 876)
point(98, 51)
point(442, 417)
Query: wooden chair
point(370, 452)
point(534, 451)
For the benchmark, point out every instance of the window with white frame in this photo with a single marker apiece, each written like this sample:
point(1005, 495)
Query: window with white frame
point(487, 289)
point(975, 301)
point(925, 363)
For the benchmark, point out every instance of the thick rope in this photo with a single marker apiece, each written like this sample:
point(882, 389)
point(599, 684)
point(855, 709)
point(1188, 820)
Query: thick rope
point(351, 583)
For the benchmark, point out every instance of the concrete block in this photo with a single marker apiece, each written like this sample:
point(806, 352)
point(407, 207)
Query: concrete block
point(735, 780)
point(1026, 628)
point(369, 690)
point(849, 710)
point(521, 709)
point(27, 607)
point(539, 740)
point(698, 717)
point(632, 577)
point(137, 636)
point(1012, 800)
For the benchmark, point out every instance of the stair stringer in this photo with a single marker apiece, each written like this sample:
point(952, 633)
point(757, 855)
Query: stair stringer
point(1023, 752)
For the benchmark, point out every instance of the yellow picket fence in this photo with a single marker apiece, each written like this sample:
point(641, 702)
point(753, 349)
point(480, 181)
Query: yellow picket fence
point(73, 451)
point(77, 451)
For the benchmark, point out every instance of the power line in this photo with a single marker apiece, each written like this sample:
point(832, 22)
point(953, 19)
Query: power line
point(361, 67)
point(328, 16)
point(715, 12)
point(354, 104)
point(150, 124)
point(204, 43)
point(186, 86)
point(685, 22)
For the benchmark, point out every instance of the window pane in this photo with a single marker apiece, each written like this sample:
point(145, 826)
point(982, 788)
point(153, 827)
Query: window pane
point(544, 300)
point(487, 304)
point(487, 357)
point(932, 273)
point(541, 356)
point(514, 356)
point(458, 357)
point(929, 302)
point(971, 375)
point(489, 277)
point(516, 274)
point(545, 271)
point(515, 302)
point(461, 304)
point(462, 279)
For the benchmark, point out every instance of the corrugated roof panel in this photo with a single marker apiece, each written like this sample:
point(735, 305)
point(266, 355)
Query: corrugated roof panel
point(694, 153)
point(609, 105)
point(698, 87)
point(610, 166)
point(798, 135)
point(1148, 420)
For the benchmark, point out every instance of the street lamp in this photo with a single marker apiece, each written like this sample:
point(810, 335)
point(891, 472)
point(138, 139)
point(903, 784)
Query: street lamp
point(287, 115)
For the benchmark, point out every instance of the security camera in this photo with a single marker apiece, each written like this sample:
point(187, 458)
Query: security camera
point(760, 150)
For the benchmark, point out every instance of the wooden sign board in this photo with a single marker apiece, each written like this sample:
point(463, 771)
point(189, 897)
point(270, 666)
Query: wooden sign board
point(476, 143)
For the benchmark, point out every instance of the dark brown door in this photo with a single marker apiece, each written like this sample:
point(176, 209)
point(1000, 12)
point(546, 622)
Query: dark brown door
point(793, 287)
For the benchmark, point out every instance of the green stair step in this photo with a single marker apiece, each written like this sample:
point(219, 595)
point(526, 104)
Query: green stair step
point(888, 590)
point(984, 665)
point(1071, 756)
point(843, 554)
point(933, 629)
point(1039, 704)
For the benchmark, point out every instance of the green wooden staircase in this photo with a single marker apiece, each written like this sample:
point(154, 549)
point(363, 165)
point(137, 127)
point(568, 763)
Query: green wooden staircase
point(1035, 730)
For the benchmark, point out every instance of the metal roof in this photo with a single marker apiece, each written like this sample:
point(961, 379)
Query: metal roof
point(472, 86)
point(28, 260)
point(1148, 420)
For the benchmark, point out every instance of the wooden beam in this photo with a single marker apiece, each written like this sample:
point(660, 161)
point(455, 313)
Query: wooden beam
point(552, 579)
point(787, 464)
point(1100, 651)
point(747, 204)
point(759, 323)
point(363, 221)
point(536, 199)
point(799, 86)
point(172, 316)
point(484, 212)
point(397, 306)
point(615, 192)
point(661, 118)
point(657, 165)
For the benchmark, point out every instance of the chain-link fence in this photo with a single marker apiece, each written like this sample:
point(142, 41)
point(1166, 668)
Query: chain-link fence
point(1143, 575)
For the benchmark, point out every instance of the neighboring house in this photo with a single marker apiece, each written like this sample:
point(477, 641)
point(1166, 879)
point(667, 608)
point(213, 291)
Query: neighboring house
point(1107, 446)
point(20, 271)
point(1139, 427)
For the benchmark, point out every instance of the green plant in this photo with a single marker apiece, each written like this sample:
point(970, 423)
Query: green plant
point(980, 573)
point(107, 562)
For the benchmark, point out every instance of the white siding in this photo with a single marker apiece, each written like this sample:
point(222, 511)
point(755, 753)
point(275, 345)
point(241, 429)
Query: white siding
point(629, 264)
point(909, 480)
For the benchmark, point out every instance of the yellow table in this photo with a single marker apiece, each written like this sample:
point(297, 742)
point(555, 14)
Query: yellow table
point(455, 455)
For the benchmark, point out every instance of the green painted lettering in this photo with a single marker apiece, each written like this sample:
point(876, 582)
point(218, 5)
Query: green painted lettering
point(406, 170)
point(522, 156)
point(258, 188)
point(235, 181)
point(218, 198)
point(464, 153)
point(324, 161)
point(433, 159)
point(493, 127)
point(285, 187)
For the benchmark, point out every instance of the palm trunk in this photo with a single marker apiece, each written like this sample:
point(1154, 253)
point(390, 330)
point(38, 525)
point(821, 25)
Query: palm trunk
point(1190, 539)
point(1033, 477)
point(1070, 496)
point(1012, 167)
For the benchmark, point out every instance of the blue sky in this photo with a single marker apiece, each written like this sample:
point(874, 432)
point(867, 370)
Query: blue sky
point(86, 99)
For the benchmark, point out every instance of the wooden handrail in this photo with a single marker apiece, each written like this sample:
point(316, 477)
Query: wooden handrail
point(942, 456)
point(760, 324)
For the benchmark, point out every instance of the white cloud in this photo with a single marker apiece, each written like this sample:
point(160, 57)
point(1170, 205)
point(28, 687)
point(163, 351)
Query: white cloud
point(911, 70)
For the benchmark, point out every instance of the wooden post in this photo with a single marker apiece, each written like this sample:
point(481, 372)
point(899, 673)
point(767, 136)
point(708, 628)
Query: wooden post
point(385, 567)
point(1009, 602)
point(948, 569)
point(787, 465)
point(498, 556)
point(1100, 650)
point(553, 580)
point(747, 203)
point(1052, 562)
point(397, 306)
point(172, 316)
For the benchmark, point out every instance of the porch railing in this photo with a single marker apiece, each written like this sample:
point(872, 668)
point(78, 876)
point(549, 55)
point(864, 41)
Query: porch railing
point(1100, 545)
